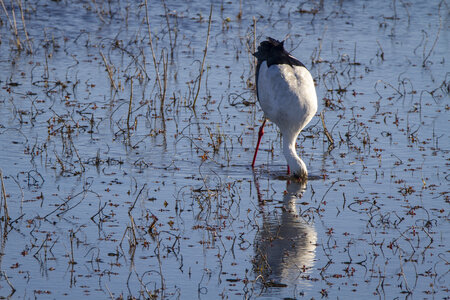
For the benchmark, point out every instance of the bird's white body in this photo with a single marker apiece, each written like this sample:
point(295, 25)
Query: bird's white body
point(287, 96)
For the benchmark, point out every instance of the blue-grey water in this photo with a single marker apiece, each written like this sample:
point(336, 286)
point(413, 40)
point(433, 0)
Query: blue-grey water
point(117, 186)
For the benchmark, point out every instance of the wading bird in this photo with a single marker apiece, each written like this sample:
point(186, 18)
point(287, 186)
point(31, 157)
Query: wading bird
point(287, 95)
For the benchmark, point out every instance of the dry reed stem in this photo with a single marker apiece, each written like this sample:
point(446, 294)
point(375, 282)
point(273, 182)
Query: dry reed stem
point(254, 46)
point(75, 149)
point(134, 241)
point(63, 168)
point(165, 63)
point(19, 44)
point(136, 199)
point(109, 291)
point(133, 225)
point(30, 49)
point(5, 204)
point(382, 52)
point(158, 80)
point(72, 236)
point(108, 69)
point(129, 105)
point(13, 24)
point(6, 13)
point(172, 43)
point(13, 290)
point(325, 130)
point(98, 12)
point(425, 57)
point(204, 57)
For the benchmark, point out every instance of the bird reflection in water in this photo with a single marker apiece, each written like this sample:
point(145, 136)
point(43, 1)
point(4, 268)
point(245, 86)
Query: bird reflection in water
point(285, 244)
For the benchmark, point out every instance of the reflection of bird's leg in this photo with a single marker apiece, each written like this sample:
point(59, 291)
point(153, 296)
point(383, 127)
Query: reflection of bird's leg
point(260, 134)
point(258, 193)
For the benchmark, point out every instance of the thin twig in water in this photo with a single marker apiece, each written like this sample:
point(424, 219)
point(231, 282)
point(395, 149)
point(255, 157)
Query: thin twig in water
point(30, 49)
point(13, 24)
point(153, 51)
point(108, 69)
point(5, 205)
point(254, 45)
point(435, 41)
point(165, 59)
point(172, 43)
point(135, 200)
point(325, 130)
point(130, 105)
point(13, 290)
point(382, 52)
point(204, 57)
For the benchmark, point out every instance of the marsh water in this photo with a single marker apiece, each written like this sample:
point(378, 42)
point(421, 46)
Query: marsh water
point(126, 164)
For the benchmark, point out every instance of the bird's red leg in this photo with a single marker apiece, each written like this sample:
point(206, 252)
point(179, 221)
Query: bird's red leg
point(288, 170)
point(260, 134)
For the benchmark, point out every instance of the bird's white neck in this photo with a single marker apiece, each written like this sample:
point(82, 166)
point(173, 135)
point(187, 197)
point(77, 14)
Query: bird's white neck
point(295, 163)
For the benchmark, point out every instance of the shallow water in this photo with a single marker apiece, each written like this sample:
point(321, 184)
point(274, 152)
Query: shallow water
point(108, 199)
